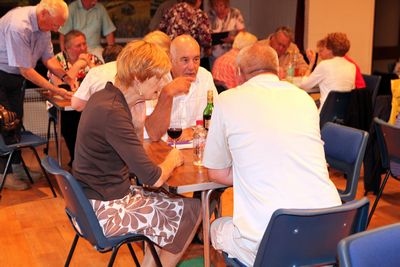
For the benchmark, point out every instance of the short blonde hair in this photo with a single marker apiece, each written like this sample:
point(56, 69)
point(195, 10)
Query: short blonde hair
point(244, 39)
point(140, 60)
point(159, 38)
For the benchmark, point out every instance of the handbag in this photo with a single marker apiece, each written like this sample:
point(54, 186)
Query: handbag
point(9, 126)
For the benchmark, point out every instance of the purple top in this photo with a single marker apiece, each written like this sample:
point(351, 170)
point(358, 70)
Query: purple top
point(22, 43)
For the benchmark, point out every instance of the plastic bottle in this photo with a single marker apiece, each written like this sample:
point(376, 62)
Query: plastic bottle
point(290, 69)
point(208, 110)
point(199, 141)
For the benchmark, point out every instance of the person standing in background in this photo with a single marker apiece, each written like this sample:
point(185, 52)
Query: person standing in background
point(164, 7)
point(224, 18)
point(24, 40)
point(186, 17)
point(91, 18)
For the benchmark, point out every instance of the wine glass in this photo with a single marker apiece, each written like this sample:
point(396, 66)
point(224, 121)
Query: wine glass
point(174, 130)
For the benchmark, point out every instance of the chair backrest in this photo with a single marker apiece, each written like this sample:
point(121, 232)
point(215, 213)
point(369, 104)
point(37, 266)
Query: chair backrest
point(335, 108)
point(77, 205)
point(388, 137)
point(377, 247)
point(344, 151)
point(297, 237)
point(372, 83)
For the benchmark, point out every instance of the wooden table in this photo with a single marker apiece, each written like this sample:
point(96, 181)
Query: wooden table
point(60, 104)
point(188, 178)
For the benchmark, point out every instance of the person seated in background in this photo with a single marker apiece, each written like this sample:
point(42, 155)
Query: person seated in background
point(247, 147)
point(109, 151)
point(225, 70)
point(187, 105)
point(91, 18)
point(224, 18)
point(186, 17)
point(333, 72)
point(359, 82)
point(76, 61)
point(359, 79)
point(111, 52)
point(282, 42)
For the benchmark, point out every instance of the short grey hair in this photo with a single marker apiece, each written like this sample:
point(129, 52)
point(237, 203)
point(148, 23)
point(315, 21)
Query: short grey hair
point(258, 57)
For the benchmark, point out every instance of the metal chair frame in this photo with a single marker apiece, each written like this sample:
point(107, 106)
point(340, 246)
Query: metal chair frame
point(28, 140)
point(388, 137)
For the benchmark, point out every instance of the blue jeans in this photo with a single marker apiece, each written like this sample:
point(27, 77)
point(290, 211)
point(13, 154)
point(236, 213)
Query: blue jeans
point(233, 262)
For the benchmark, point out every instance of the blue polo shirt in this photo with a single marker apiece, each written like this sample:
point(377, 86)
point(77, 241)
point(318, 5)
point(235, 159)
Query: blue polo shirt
point(22, 43)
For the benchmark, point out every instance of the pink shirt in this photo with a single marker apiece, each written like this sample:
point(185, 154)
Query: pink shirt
point(225, 69)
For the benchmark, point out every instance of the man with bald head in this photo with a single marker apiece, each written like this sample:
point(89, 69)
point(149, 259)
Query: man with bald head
point(264, 140)
point(189, 107)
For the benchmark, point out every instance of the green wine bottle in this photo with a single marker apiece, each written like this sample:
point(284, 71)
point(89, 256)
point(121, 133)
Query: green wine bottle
point(208, 110)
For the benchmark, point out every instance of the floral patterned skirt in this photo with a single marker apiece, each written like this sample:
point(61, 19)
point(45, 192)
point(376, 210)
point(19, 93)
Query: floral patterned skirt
point(164, 220)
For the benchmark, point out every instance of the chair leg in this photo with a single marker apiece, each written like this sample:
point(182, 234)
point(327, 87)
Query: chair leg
point(154, 253)
point(46, 149)
point(71, 251)
point(44, 171)
point(4, 176)
point(113, 255)
point(371, 213)
point(55, 135)
point(133, 254)
point(26, 170)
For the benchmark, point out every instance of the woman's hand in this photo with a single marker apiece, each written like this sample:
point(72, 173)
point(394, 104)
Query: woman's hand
point(175, 156)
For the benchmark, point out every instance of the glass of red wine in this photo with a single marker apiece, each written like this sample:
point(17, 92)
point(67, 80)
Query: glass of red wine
point(174, 130)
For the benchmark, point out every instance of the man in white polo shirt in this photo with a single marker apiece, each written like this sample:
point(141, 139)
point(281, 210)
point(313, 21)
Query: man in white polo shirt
point(264, 139)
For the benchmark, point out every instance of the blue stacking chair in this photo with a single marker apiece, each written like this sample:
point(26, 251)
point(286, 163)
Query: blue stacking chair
point(299, 237)
point(84, 220)
point(28, 140)
point(344, 151)
point(388, 137)
point(335, 108)
point(377, 247)
point(372, 83)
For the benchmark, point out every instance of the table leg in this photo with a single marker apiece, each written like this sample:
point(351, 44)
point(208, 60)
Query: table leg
point(59, 153)
point(205, 200)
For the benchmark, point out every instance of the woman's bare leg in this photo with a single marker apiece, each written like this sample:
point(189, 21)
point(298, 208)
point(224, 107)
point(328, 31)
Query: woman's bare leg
point(169, 259)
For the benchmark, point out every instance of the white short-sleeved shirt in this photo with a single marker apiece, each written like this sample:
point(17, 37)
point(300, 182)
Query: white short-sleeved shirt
point(335, 74)
point(268, 132)
point(190, 107)
point(96, 79)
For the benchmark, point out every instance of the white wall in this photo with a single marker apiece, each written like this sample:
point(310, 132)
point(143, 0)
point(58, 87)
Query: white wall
point(354, 17)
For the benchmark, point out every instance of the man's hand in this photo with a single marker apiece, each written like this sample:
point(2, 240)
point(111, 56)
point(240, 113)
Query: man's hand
point(178, 86)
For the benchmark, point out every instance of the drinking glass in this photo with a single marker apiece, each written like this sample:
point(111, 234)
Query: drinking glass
point(175, 130)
